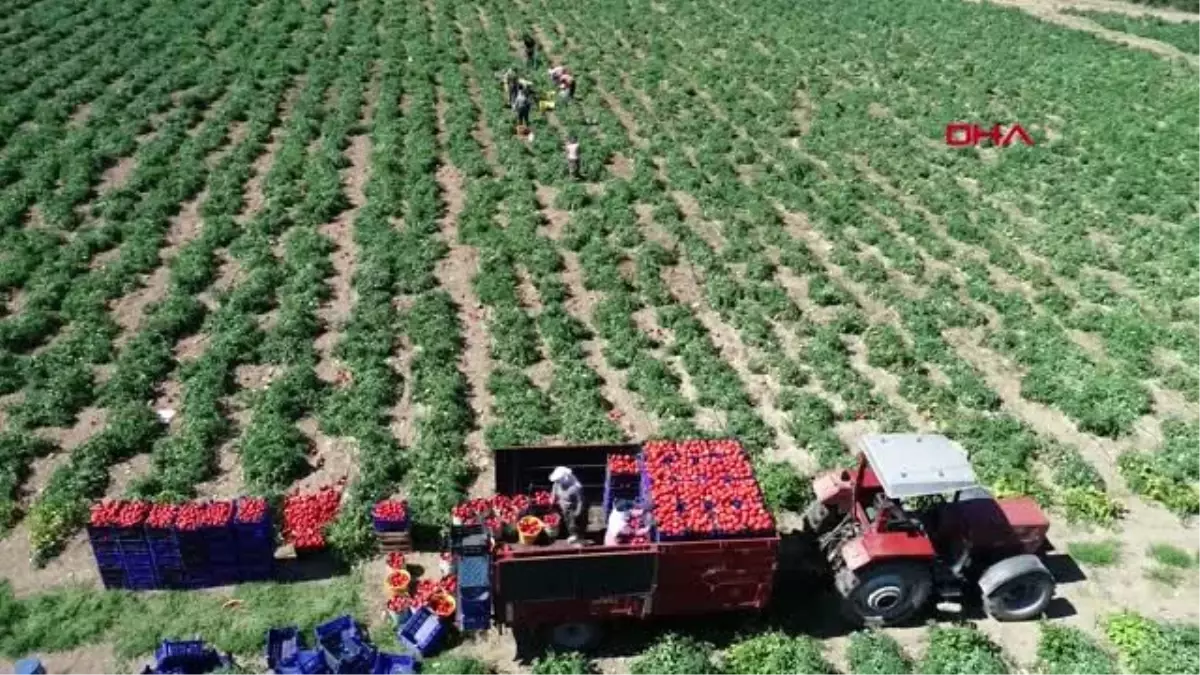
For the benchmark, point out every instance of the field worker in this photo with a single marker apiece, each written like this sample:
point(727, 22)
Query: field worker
point(568, 493)
point(618, 521)
point(521, 105)
point(530, 49)
point(573, 157)
point(556, 74)
point(510, 85)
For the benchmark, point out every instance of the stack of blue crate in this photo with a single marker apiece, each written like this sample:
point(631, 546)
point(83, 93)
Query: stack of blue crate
point(108, 555)
point(621, 487)
point(255, 546)
point(164, 551)
point(474, 592)
point(140, 574)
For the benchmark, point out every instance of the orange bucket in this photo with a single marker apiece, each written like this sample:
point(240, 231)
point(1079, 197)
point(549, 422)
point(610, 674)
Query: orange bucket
point(398, 583)
point(443, 604)
point(529, 529)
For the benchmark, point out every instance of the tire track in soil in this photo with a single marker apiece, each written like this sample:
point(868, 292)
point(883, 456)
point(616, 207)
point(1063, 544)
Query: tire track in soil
point(454, 273)
point(581, 304)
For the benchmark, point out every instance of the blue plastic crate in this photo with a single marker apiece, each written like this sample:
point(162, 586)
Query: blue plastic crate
point(394, 664)
point(356, 657)
point(113, 578)
point(342, 627)
point(181, 649)
point(422, 632)
point(467, 622)
point(29, 666)
point(307, 662)
point(390, 525)
point(283, 646)
point(474, 572)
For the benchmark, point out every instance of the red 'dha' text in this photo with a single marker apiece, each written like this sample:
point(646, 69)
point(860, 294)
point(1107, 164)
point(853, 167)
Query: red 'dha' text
point(968, 135)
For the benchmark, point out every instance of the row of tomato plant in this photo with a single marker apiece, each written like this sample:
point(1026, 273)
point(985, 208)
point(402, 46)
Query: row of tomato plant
point(964, 379)
point(360, 409)
point(188, 456)
point(144, 361)
point(439, 468)
point(274, 452)
point(44, 260)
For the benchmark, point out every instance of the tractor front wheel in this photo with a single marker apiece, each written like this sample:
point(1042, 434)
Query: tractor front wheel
point(885, 594)
point(1017, 588)
point(1020, 599)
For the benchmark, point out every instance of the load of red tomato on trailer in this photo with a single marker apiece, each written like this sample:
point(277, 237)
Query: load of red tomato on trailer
point(907, 528)
point(692, 535)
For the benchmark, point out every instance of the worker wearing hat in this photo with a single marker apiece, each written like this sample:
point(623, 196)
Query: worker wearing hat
point(568, 493)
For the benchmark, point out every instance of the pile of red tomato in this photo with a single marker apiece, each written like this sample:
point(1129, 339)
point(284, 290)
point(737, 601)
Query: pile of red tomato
point(704, 488)
point(391, 510)
point(622, 465)
point(188, 516)
point(500, 511)
point(251, 510)
point(306, 515)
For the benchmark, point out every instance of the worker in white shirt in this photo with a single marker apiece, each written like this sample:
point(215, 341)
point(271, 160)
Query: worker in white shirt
point(617, 522)
point(568, 493)
point(573, 157)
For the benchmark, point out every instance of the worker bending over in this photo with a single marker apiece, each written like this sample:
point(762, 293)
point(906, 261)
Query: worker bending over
point(568, 493)
point(618, 523)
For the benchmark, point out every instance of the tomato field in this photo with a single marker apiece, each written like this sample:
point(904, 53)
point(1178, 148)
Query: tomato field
point(249, 247)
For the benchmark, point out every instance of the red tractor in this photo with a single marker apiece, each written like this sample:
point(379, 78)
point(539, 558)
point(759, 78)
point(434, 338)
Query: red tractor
point(911, 524)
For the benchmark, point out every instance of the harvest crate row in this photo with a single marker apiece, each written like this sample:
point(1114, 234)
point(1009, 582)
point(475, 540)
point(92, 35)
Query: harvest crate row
point(143, 546)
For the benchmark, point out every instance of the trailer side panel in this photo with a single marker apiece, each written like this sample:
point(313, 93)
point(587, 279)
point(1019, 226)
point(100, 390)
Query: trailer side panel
point(714, 576)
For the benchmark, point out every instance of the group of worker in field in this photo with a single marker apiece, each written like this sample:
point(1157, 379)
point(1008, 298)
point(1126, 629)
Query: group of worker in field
point(521, 95)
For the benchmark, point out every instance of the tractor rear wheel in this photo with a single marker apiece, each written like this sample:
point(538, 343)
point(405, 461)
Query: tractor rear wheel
point(885, 594)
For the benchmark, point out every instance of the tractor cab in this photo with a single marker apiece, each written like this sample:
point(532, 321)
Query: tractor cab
point(911, 521)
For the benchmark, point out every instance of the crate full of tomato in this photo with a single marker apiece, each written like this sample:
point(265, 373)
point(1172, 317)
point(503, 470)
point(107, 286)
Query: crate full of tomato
point(704, 489)
point(622, 480)
point(390, 515)
point(141, 545)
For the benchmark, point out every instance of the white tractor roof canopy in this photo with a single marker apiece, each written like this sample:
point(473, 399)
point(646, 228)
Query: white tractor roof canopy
point(915, 465)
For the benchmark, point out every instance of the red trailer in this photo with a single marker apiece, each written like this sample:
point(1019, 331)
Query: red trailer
point(565, 592)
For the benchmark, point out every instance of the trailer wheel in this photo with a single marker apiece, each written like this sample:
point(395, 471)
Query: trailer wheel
point(885, 594)
point(1017, 588)
point(576, 636)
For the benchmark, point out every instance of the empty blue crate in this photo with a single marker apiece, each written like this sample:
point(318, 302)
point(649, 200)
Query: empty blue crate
point(394, 664)
point(422, 631)
point(308, 662)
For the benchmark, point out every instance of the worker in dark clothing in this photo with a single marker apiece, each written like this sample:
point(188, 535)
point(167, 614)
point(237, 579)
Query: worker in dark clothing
point(521, 105)
point(573, 157)
point(530, 50)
